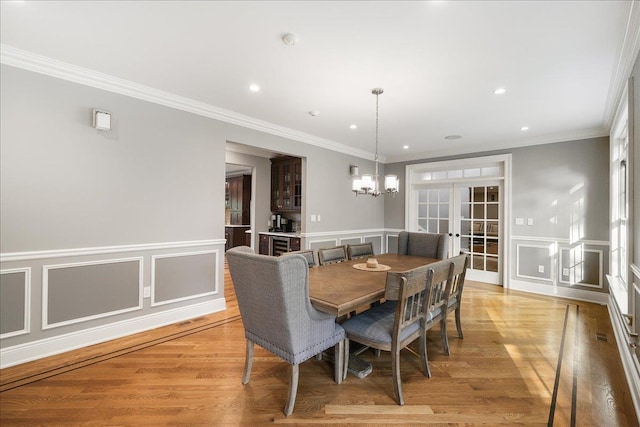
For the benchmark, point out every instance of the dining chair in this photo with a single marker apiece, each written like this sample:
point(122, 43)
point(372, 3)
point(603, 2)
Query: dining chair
point(308, 254)
point(460, 265)
point(332, 255)
point(439, 280)
point(397, 322)
point(273, 297)
point(361, 250)
point(429, 245)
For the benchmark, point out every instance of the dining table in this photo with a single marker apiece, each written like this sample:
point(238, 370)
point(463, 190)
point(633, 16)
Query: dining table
point(344, 287)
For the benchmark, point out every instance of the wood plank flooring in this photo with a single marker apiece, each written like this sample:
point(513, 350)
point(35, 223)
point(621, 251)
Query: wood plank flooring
point(525, 360)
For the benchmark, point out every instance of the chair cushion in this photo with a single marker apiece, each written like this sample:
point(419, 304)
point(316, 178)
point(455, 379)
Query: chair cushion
point(376, 324)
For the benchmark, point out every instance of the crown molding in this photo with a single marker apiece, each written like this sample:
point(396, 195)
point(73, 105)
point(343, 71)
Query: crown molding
point(503, 145)
point(624, 65)
point(19, 58)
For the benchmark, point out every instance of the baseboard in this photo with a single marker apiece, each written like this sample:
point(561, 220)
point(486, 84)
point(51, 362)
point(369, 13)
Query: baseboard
point(22, 353)
point(630, 362)
point(559, 291)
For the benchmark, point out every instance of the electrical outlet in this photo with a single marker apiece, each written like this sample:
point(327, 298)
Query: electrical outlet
point(541, 269)
point(529, 221)
point(147, 292)
point(519, 221)
point(313, 218)
point(318, 216)
point(565, 271)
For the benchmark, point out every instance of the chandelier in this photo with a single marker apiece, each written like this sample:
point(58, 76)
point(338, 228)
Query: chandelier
point(370, 184)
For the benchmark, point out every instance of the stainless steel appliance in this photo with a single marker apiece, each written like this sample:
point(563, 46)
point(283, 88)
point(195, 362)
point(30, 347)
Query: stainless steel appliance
point(278, 245)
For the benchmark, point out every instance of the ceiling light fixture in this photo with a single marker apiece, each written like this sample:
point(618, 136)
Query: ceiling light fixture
point(524, 128)
point(370, 184)
point(353, 126)
point(499, 91)
point(254, 88)
point(405, 147)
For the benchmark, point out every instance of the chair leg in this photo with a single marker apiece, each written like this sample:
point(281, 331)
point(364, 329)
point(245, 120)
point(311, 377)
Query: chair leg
point(345, 360)
point(248, 362)
point(424, 360)
point(443, 336)
point(458, 323)
point(395, 368)
point(338, 359)
point(293, 390)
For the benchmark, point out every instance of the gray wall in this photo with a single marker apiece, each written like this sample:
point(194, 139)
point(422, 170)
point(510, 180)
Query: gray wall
point(150, 189)
point(554, 184)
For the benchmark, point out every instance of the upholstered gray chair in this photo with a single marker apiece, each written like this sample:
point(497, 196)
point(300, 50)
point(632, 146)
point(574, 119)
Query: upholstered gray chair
point(427, 245)
point(361, 250)
point(308, 254)
point(460, 265)
point(397, 322)
point(273, 297)
point(332, 255)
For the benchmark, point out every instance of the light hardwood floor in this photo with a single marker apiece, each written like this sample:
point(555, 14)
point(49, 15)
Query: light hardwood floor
point(525, 360)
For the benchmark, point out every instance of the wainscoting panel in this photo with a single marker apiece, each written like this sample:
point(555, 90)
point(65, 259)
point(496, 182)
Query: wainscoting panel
point(321, 244)
point(183, 276)
point(581, 267)
point(79, 292)
point(15, 295)
point(350, 241)
point(530, 259)
point(392, 243)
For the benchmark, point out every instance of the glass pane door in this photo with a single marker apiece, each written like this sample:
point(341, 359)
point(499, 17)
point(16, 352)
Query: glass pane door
point(433, 210)
point(478, 216)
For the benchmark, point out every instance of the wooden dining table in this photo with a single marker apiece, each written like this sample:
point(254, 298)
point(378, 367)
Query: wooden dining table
point(340, 288)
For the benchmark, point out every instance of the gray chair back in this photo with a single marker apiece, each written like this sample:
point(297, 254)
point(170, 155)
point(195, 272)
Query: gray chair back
point(362, 250)
point(273, 297)
point(308, 254)
point(429, 245)
point(332, 255)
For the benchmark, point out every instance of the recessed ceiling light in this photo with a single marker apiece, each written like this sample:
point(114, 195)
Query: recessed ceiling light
point(406, 147)
point(524, 128)
point(499, 91)
point(254, 88)
point(453, 137)
point(353, 126)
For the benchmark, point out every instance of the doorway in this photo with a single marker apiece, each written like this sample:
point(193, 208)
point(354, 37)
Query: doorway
point(466, 200)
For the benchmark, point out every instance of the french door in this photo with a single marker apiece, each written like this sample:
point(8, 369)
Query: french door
point(470, 213)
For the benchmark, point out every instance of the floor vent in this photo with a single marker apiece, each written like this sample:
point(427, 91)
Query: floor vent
point(602, 337)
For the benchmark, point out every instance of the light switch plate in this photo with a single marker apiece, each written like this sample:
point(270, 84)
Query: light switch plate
point(519, 221)
point(147, 292)
point(529, 221)
point(313, 218)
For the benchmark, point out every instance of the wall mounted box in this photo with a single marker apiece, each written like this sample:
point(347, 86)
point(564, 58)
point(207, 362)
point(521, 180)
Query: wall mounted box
point(101, 120)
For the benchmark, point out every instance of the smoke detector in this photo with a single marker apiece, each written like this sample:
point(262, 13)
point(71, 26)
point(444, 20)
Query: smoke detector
point(289, 39)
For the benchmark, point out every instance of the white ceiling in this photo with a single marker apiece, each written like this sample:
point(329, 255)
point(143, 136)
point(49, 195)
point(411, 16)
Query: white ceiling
point(563, 63)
